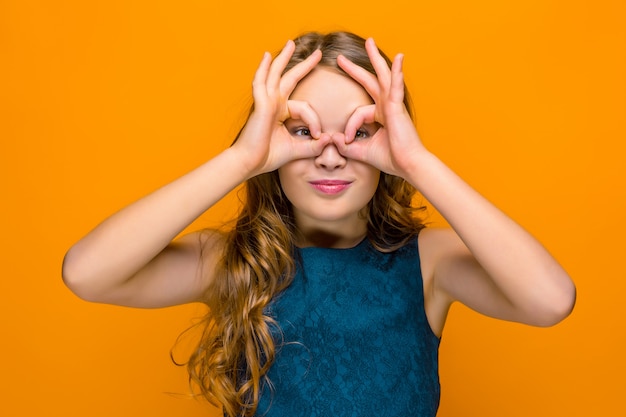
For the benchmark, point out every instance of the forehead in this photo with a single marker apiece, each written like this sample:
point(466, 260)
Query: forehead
point(325, 88)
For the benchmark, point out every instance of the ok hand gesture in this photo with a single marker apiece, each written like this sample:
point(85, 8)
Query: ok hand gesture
point(395, 145)
point(265, 143)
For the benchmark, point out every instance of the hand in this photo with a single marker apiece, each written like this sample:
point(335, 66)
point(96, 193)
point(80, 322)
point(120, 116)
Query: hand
point(265, 142)
point(395, 145)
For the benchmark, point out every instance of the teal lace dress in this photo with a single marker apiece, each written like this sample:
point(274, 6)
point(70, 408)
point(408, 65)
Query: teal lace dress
point(354, 339)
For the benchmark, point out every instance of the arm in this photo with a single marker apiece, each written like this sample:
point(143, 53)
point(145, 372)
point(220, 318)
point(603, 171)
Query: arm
point(486, 261)
point(489, 263)
point(130, 259)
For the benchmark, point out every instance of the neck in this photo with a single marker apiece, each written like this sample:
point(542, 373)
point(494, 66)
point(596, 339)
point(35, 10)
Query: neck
point(337, 233)
point(329, 241)
point(330, 237)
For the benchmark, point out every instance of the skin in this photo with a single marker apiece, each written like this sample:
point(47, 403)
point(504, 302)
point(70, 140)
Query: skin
point(329, 219)
point(485, 260)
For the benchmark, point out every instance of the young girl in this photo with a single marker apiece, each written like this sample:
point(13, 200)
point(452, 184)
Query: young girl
point(329, 296)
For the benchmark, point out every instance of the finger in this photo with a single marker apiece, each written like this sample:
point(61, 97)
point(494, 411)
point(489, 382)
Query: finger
point(302, 110)
point(356, 150)
point(292, 77)
point(279, 64)
point(380, 65)
point(260, 77)
point(397, 80)
point(361, 115)
point(310, 148)
point(360, 75)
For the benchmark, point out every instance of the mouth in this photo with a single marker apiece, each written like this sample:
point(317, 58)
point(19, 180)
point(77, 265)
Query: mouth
point(330, 186)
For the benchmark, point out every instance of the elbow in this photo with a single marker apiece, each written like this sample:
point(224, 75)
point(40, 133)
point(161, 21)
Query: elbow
point(71, 275)
point(76, 277)
point(557, 306)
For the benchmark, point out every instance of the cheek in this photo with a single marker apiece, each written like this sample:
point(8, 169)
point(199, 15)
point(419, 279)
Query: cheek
point(287, 175)
point(373, 178)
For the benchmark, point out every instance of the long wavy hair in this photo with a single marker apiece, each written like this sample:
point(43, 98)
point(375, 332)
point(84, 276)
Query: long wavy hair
point(237, 346)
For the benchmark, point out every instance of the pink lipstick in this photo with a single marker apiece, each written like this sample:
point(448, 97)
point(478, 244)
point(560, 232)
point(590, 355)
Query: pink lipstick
point(330, 186)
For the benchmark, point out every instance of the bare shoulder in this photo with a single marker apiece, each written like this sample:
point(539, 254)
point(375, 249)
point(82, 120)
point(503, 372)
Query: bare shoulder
point(437, 244)
point(199, 256)
point(436, 247)
point(209, 245)
point(209, 241)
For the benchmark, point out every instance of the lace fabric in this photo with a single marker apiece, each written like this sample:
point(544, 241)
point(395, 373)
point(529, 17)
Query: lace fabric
point(354, 338)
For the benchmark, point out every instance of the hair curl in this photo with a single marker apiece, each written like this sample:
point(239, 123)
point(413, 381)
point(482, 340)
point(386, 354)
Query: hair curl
point(237, 347)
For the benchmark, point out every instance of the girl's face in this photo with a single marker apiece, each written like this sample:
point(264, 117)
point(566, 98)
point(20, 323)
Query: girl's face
point(329, 191)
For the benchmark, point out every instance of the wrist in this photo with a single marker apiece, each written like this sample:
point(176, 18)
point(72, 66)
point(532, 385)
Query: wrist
point(233, 161)
point(420, 165)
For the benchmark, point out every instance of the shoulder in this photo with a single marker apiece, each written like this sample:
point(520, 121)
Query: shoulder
point(184, 270)
point(438, 248)
point(436, 245)
point(209, 246)
point(205, 245)
point(193, 261)
point(207, 238)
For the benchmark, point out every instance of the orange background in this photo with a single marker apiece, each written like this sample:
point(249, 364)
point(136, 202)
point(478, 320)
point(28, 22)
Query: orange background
point(103, 101)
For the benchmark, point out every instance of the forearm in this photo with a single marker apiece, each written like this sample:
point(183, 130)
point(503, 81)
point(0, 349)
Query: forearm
point(519, 266)
point(126, 241)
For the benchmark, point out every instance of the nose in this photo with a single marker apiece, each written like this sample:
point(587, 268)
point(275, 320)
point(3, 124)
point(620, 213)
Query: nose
point(330, 158)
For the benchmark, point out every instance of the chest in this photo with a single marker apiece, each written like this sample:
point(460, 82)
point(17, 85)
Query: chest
point(354, 293)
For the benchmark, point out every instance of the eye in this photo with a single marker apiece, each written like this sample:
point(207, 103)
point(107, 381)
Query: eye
point(366, 131)
point(301, 132)
point(362, 133)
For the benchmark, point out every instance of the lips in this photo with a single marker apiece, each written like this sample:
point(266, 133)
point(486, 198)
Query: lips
point(330, 186)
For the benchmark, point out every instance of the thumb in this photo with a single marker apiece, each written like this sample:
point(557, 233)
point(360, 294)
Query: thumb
point(354, 150)
point(311, 148)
